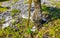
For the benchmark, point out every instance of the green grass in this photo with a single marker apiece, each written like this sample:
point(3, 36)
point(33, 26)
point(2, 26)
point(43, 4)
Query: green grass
point(52, 29)
point(3, 9)
point(15, 11)
point(20, 33)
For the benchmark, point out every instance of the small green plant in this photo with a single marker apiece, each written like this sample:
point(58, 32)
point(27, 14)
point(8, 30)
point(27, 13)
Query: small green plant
point(15, 11)
point(3, 9)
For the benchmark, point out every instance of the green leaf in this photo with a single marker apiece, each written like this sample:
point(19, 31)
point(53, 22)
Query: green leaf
point(29, 30)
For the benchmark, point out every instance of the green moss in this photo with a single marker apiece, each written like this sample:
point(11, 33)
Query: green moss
point(15, 11)
point(3, 9)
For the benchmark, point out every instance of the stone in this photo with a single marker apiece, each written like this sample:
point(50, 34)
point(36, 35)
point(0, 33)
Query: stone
point(5, 25)
point(1, 16)
point(8, 18)
point(33, 29)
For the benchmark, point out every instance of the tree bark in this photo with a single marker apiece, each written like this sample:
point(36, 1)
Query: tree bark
point(37, 14)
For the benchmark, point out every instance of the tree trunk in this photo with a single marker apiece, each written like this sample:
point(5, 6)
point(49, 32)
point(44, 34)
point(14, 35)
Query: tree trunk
point(37, 14)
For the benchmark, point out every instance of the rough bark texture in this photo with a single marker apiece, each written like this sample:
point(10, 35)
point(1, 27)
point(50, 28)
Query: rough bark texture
point(37, 14)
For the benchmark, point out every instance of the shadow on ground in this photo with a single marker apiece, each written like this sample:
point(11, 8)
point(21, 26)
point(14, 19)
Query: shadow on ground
point(3, 0)
point(54, 12)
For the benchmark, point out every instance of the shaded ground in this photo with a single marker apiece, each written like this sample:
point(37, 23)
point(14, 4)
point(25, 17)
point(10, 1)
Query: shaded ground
point(3, 0)
point(54, 12)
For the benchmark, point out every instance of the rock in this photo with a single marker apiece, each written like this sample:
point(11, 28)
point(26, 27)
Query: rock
point(24, 16)
point(44, 19)
point(8, 18)
point(5, 25)
point(1, 16)
point(6, 4)
point(8, 23)
point(6, 13)
point(12, 21)
point(33, 29)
